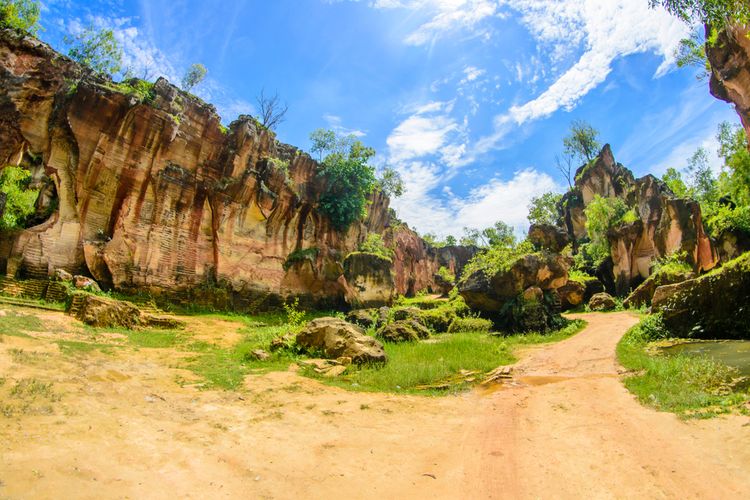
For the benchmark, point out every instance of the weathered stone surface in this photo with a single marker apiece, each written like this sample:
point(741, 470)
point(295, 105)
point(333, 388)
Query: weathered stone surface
point(108, 313)
point(716, 305)
point(156, 197)
point(370, 280)
point(408, 313)
point(548, 237)
point(85, 283)
point(571, 294)
point(731, 244)
point(63, 275)
point(730, 70)
point(337, 338)
point(602, 302)
point(642, 295)
point(501, 297)
point(362, 317)
point(403, 331)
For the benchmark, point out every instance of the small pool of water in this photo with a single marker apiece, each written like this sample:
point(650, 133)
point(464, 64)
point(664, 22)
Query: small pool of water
point(734, 353)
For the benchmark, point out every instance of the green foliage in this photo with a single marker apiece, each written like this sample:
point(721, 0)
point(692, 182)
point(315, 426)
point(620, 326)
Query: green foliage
point(735, 180)
point(193, 76)
point(543, 209)
point(501, 234)
point(673, 179)
point(701, 179)
point(301, 255)
point(726, 218)
point(19, 204)
point(295, 318)
point(690, 386)
point(602, 214)
point(97, 49)
point(374, 244)
point(582, 142)
point(692, 52)
point(496, 259)
point(141, 89)
point(20, 15)
point(717, 13)
point(391, 183)
point(469, 325)
point(349, 180)
point(435, 242)
point(579, 276)
point(446, 274)
point(673, 264)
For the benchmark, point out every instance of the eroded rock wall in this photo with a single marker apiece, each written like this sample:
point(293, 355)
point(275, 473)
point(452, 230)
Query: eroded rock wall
point(157, 196)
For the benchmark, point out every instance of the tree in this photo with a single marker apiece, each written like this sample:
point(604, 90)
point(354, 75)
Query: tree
point(97, 49)
point(717, 13)
point(391, 183)
point(499, 235)
point(543, 209)
point(194, 75)
point(450, 240)
point(349, 180)
point(20, 199)
point(701, 179)
point(735, 180)
point(272, 111)
point(582, 142)
point(692, 52)
point(20, 15)
point(564, 165)
point(602, 214)
point(673, 179)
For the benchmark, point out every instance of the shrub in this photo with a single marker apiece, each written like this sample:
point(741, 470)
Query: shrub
point(20, 199)
point(446, 275)
point(20, 15)
point(727, 218)
point(295, 318)
point(673, 264)
point(496, 259)
point(301, 255)
point(603, 214)
point(468, 325)
point(374, 244)
point(140, 89)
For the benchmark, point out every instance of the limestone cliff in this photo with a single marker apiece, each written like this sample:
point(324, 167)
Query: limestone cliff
point(730, 70)
point(665, 224)
point(149, 192)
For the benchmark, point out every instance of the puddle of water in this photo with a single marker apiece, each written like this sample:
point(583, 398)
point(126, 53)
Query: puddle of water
point(735, 353)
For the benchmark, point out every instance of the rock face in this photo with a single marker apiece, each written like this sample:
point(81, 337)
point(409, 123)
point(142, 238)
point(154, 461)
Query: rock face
point(521, 297)
point(337, 338)
point(155, 195)
point(642, 295)
point(548, 237)
point(370, 280)
point(665, 224)
point(571, 295)
point(716, 305)
point(730, 70)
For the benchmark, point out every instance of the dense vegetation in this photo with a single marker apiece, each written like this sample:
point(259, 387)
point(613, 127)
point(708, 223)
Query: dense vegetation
point(22, 15)
point(20, 197)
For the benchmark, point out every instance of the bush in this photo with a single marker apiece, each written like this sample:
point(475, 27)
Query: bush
point(673, 264)
point(374, 244)
point(20, 199)
point(141, 89)
point(496, 259)
point(727, 218)
point(20, 15)
point(446, 275)
point(650, 329)
point(469, 325)
point(301, 255)
point(603, 214)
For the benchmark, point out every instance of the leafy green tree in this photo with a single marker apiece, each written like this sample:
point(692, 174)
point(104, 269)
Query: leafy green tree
point(20, 15)
point(673, 179)
point(735, 180)
point(701, 179)
point(717, 13)
point(692, 53)
point(391, 183)
point(349, 179)
point(374, 244)
point(20, 199)
point(471, 237)
point(97, 49)
point(501, 234)
point(194, 75)
point(582, 142)
point(602, 214)
point(450, 240)
point(543, 209)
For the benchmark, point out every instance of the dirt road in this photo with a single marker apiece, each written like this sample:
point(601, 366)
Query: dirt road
point(564, 428)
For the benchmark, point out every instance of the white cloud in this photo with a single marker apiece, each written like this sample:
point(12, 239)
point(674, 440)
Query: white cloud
point(335, 123)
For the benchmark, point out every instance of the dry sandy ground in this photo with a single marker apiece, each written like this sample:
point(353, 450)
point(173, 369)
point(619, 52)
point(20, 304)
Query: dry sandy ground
point(564, 428)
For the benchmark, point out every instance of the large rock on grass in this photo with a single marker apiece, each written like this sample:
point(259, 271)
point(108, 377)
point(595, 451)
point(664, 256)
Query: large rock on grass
point(714, 306)
point(408, 330)
point(370, 280)
point(602, 302)
point(362, 317)
point(642, 295)
point(336, 338)
point(104, 312)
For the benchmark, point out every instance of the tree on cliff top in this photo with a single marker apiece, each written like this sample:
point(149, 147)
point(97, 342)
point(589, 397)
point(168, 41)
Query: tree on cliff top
point(272, 111)
point(194, 75)
point(582, 142)
point(97, 49)
point(349, 180)
point(20, 14)
point(543, 209)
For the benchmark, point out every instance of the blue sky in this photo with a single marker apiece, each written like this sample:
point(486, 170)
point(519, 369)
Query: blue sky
point(468, 99)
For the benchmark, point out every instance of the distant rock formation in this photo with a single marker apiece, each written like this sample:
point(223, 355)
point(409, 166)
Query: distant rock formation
point(665, 224)
point(154, 194)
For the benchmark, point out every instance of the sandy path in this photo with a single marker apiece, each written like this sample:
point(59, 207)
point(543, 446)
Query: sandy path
point(565, 428)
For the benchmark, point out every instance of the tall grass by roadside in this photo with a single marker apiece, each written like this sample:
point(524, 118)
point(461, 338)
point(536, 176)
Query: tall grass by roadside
point(690, 386)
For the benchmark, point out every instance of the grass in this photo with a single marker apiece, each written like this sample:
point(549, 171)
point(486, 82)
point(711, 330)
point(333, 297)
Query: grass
point(689, 386)
point(15, 324)
point(441, 361)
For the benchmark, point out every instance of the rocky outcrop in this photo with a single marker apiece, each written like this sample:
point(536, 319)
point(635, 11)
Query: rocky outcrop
point(716, 305)
point(602, 302)
point(571, 295)
point(521, 297)
point(369, 280)
point(664, 224)
point(729, 58)
point(732, 243)
point(337, 338)
point(154, 195)
point(642, 295)
point(548, 237)
point(104, 312)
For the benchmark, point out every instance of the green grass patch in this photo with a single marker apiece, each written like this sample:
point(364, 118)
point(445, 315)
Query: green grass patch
point(16, 324)
point(690, 386)
point(441, 360)
point(72, 347)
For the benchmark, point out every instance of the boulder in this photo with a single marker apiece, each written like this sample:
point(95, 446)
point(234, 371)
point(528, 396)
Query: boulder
point(362, 317)
point(370, 280)
point(337, 338)
point(571, 294)
point(501, 297)
point(63, 275)
point(713, 306)
point(642, 295)
point(403, 331)
point(104, 312)
point(602, 302)
point(548, 237)
point(442, 284)
point(408, 314)
point(85, 283)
